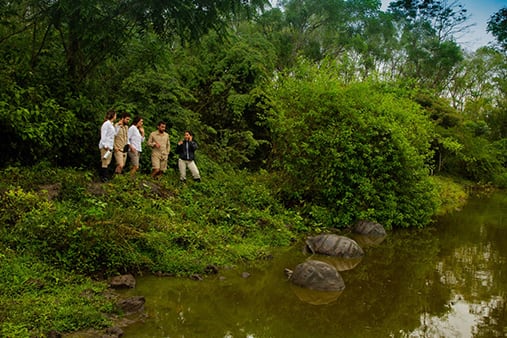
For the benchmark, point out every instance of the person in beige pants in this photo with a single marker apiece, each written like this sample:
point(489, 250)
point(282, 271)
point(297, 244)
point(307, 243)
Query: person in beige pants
point(121, 142)
point(159, 142)
point(135, 140)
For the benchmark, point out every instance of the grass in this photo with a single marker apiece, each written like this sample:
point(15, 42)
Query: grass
point(36, 298)
point(62, 233)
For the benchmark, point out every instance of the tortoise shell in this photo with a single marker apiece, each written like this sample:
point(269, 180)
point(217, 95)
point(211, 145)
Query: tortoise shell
point(334, 245)
point(369, 228)
point(317, 275)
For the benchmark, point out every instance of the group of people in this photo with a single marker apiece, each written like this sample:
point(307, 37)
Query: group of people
point(121, 141)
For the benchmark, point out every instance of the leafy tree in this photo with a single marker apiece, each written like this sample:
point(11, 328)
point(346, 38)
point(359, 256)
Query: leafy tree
point(443, 18)
point(70, 52)
point(497, 25)
point(474, 82)
point(316, 29)
point(350, 152)
point(227, 79)
point(427, 36)
point(90, 31)
point(462, 143)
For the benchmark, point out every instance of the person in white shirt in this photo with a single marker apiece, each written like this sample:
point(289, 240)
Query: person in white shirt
point(135, 139)
point(106, 144)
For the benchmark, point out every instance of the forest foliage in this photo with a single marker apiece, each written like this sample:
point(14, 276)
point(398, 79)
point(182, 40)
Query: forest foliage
point(310, 115)
point(217, 70)
point(65, 65)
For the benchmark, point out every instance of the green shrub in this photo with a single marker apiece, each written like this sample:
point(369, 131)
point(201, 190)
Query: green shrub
point(36, 298)
point(451, 194)
point(84, 241)
point(500, 180)
point(16, 203)
point(138, 224)
point(356, 151)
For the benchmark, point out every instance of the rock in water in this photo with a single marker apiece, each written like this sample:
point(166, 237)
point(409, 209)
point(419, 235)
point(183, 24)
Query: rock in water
point(123, 281)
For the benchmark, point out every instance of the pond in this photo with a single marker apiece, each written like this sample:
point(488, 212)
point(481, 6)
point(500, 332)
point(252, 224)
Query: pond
point(447, 280)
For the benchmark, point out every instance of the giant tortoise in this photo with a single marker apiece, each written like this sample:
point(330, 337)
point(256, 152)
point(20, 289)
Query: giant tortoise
point(334, 245)
point(316, 275)
point(369, 228)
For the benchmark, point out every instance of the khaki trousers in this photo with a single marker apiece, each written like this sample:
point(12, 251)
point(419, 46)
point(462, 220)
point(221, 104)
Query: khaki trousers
point(183, 165)
point(105, 161)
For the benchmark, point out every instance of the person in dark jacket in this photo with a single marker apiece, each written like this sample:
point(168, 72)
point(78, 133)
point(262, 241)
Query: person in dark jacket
point(186, 150)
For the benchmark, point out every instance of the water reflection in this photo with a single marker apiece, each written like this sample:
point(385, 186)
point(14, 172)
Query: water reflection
point(449, 280)
point(366, 241)
point(472, 266)
point(340, 263)
point(315, 297)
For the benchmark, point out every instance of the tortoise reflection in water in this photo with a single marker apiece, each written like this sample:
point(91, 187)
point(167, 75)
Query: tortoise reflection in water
point(340, 263)
point(334, 245)
point(315, 297)
point(365, 241)
point(367, 233)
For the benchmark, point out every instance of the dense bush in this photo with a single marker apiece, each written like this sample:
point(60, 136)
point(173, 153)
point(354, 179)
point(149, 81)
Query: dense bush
point(351, 152)
point(136, 224)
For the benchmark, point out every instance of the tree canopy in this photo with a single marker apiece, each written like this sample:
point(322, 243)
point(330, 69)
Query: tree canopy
point(497, 25)
point(266, 88)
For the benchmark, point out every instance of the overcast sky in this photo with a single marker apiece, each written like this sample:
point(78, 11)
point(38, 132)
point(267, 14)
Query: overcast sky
point(480, 11)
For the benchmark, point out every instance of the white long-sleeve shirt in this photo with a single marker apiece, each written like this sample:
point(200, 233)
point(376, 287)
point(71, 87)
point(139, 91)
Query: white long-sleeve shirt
point(107, 133)
point(135, 138)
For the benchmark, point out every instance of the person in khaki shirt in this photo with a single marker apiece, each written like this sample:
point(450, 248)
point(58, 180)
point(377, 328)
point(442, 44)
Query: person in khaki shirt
point(121, 141)
point(159, 143)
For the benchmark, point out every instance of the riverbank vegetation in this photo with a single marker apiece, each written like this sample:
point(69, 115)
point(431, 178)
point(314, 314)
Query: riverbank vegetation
point(309, 116)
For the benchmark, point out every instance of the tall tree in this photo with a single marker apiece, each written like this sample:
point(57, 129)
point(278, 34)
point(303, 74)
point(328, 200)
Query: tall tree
point(428, 28)
point(474, 84)
point(90, 31)
point(227, 78)
point(497, 25)
point(316, 29)
point(445, 18)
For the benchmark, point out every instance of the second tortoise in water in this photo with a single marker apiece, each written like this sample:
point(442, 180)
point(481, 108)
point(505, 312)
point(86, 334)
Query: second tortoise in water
point(334, 245)
point(316, 275)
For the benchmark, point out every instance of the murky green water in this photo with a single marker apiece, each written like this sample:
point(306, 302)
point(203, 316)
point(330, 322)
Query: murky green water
point(449, 280)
